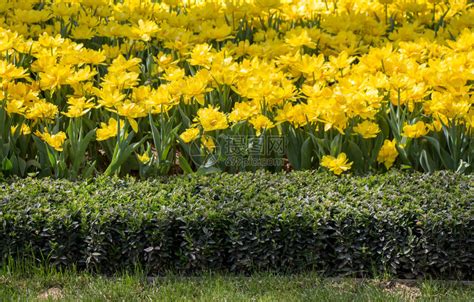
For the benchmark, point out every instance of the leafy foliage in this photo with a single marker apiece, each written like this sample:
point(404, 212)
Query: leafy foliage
point(407, 225)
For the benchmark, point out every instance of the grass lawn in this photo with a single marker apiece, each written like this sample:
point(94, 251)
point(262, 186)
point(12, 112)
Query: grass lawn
point(41, 285)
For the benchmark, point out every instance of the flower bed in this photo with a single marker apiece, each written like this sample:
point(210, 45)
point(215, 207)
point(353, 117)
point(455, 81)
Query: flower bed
point(154, 88)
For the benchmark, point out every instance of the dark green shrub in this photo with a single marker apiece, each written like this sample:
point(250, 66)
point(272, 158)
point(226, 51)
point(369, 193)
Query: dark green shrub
point(406, 224)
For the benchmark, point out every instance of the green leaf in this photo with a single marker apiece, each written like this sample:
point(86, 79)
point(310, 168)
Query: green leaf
point(154, 132)
point(184, 164)
point(355, 154)
point(336, 145)
point(426, 163)
point(6, 164)
point(293, 150)
point(185, 119)
point(446, 159)
point(79, 154)
point(376, 148)
point(462, 166)
point(384, 127)
point(306, 154)
point(21, 166)
point(403, 156)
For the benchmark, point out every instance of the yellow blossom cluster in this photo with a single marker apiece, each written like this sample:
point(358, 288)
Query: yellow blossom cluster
point(347, 83)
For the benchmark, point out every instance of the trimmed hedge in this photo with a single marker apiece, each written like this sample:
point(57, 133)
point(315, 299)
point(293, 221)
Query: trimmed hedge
point(405, 224)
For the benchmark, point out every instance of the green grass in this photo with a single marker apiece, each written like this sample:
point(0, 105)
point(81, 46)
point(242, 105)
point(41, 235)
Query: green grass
point(41, 284)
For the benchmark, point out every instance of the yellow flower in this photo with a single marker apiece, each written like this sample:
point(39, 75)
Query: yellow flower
point(123, 80)
point(296, 115)
point(267, 4)
point(342, 61)
point(145, 29)
point(9, 71)
point(208, 143)
point(81, 75)
point(42, 110)
point(25, 129)
point(144, 158)
point(82, 33)
point(172, 2)
point(260, 122)
point(300, 39)
point(108, 96)
point(220, 33)
point(55, 76)
point(173, 74)
point(108, 130)
point(388, 153)
point(414, 131)
point(243, 111)
point(212, 119)
point(78, 107)
point(131, 111)
point(121, 64)
point(435, 125)
point(336, 165)
point(367, 129)
point(54, 140)
point(15, 106)
point(201, 55)
point(189, 135)
point(194, 87)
